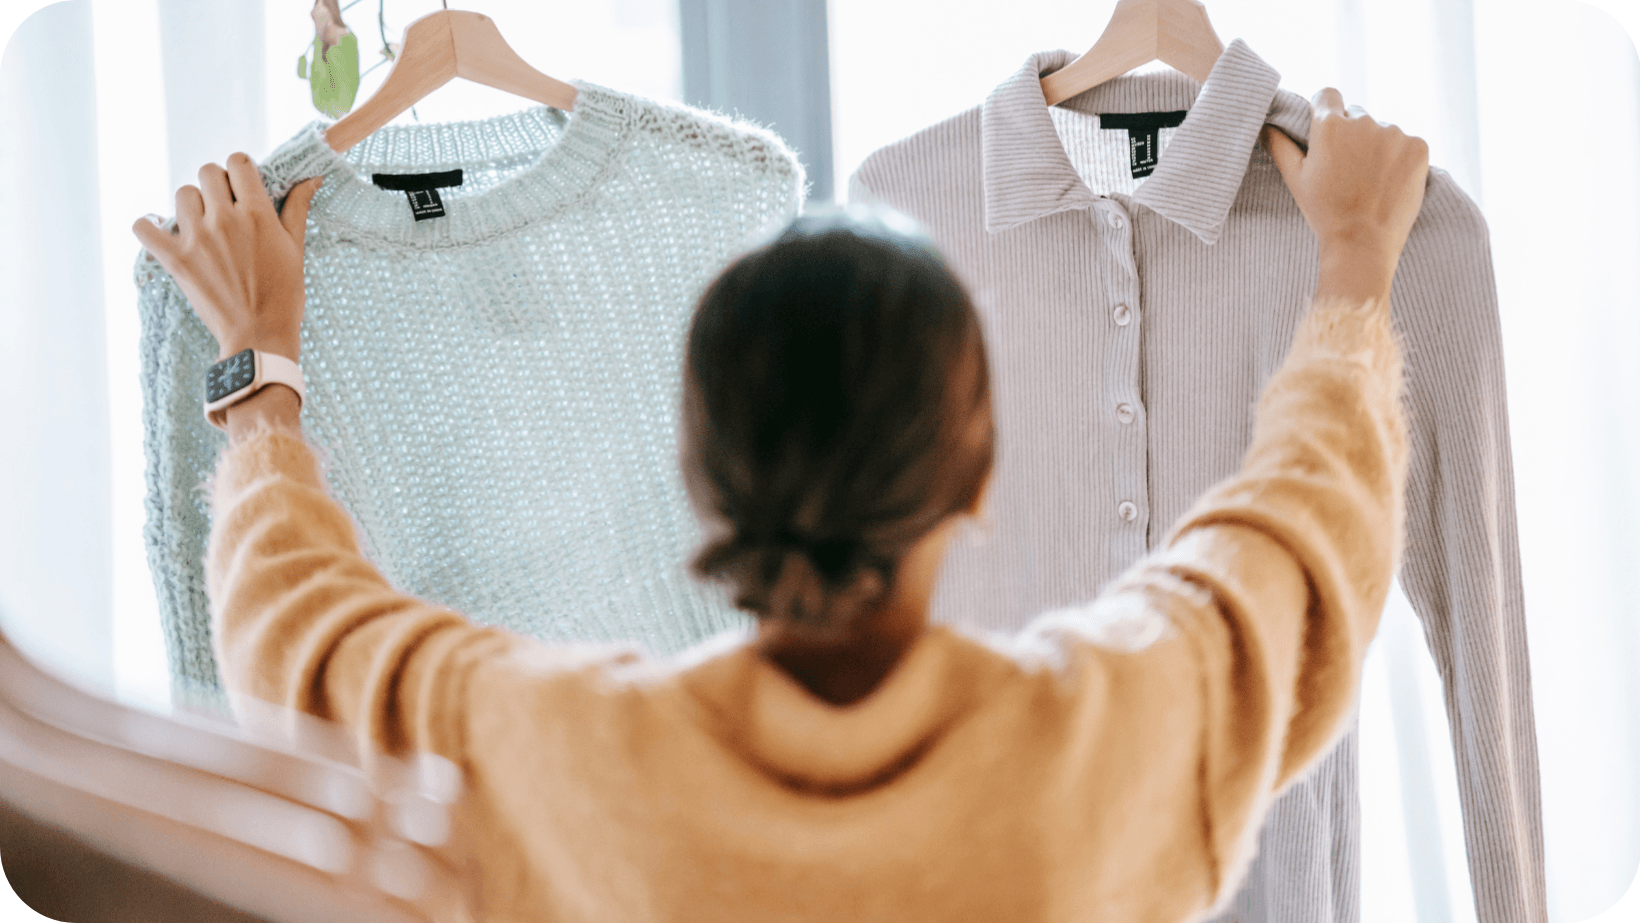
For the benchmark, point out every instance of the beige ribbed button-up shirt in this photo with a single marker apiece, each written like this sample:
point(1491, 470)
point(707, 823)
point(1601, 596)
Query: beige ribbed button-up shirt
point(1132, 323)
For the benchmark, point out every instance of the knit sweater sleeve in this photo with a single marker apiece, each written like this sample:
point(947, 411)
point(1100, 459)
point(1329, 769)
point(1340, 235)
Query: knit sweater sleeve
point(302, 619)
point(1272, 585)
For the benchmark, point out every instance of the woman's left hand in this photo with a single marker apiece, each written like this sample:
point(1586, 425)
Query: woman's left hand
point(238, 260)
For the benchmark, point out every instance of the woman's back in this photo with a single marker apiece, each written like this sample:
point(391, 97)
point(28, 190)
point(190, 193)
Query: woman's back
point(1110, 763)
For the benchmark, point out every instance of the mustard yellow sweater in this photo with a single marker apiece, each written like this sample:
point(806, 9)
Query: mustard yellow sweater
point(1110, 763)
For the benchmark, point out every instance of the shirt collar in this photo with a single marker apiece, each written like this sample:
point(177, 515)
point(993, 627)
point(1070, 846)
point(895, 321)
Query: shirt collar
point(1028, 175)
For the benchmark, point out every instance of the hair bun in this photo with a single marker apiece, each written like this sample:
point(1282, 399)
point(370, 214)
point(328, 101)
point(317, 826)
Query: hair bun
point(808, 579)
point(833, 557)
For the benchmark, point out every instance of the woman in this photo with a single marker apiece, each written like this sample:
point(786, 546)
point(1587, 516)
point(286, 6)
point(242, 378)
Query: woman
point(850, 760)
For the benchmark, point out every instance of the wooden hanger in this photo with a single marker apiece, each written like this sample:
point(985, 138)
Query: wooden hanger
point(440, 46)
point(1175, 32)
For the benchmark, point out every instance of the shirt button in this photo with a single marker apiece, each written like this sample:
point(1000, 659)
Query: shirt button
point(1115, 220)
point(1124, 413)
point(1127, 510)
point(1122, 315)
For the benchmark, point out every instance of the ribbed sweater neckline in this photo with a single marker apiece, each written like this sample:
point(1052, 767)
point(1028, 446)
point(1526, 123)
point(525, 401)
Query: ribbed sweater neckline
point(571, 154)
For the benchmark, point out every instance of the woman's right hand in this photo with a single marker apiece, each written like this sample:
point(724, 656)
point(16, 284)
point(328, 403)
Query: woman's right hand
point(1360, 187)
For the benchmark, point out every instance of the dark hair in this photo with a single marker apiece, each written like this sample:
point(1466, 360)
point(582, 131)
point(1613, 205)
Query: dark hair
point(836, 409)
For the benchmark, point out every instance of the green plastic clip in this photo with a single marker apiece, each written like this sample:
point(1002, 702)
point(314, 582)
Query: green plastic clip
point(333, 75)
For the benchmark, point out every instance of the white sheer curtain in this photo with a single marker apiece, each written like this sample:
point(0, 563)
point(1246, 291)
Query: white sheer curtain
point(55, 530)
point(107, 105)
point(1570, 295)
point(1534, 107)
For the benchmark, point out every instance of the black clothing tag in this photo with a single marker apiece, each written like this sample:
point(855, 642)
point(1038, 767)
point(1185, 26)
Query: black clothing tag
point(421, 189)
point(1142, 129)
point(404, 182)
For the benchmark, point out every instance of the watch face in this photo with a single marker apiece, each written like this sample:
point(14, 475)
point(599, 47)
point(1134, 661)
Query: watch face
point(230, 375)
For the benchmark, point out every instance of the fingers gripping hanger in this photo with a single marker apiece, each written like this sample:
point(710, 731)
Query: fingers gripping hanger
point(438, 47)
point(1175, 32)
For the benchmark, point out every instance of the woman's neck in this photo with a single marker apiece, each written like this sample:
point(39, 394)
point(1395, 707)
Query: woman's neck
point(843, 668)
point(845, 665)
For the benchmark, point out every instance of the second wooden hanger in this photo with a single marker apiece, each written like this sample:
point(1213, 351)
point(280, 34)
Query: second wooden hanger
point(1175, 32)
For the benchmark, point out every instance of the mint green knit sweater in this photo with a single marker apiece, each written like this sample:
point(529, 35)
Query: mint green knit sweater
point(495, 389)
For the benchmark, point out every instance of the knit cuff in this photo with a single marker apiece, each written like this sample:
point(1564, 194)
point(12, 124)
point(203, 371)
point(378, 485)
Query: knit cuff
point(265, 453)
point(1358, 331)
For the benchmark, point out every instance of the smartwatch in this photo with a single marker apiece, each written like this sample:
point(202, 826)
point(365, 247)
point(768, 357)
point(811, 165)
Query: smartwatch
point(244, 374)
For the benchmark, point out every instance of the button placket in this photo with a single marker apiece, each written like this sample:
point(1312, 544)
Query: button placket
point(1132, 472)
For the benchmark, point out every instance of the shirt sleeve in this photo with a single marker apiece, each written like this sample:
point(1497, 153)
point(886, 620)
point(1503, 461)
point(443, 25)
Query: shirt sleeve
point(1462, 570)
point(1272, 585)
point(302, 619)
